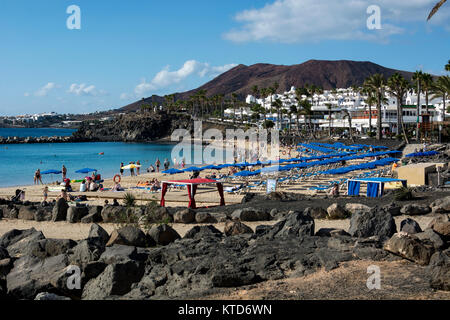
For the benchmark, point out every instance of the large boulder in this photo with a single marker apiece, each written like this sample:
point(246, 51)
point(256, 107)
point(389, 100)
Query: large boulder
point(413, 209)
point(354, 208)
point(46, 296)
point(316, 212)
point(233, 228)
point(201, 232)
point(409, 247)
point(86, 251)
point(23, 245)
point(13, 236)
point(98, 232)
point(115, 280)
point(410, 226)
point(250, 214)
point(128, 236)
point(335, 211)
point(439, 270)
point(27, 212)
point(43, 214)
point(163, 234)
point(297, 224)
point(112, 213)
point(60, 210)
point(75, 214)
point(94, 215)
point(31, 275)
point(441, 225)
point(119, 253)
point(158, 215)
point(373, 223)
point(431, 236)
point(441, 205)
point(331, 232)
point(49, 247)
point(184, 216)
point(204, 217)
point(393, 209)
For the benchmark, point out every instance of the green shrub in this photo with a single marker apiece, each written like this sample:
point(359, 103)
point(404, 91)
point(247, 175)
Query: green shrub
point(129, 199)
point(403, 194)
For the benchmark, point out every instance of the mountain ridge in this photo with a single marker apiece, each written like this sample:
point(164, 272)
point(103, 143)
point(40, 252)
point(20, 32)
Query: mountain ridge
point(327, 74)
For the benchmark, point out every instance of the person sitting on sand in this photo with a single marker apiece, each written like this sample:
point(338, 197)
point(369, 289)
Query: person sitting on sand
point(115, 203)
point(93, 186)
point(156, 186)
point(67, 185)
point(83, 186)
point(335, 191)
point(117, 187)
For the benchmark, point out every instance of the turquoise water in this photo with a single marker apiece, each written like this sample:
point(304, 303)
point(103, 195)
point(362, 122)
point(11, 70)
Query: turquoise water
point(18, 162)
point(35, 132)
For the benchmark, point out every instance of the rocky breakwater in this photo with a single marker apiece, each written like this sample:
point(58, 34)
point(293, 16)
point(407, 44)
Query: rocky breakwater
point(55, 139)
point(158, 263)
point(136, 127)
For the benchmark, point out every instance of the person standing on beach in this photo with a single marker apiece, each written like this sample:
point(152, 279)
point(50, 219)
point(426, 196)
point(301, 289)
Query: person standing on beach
point(64, 172)
point(138, 168)
point(38, 177)
point(132, 169)
point(175, 163)
point(45, 194)
point(121, 170)
point(158, 164)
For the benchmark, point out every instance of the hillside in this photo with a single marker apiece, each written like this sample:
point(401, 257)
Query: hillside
point(325, 74)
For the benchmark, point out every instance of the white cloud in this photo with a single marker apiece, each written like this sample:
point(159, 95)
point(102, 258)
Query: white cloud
point(26, 94)
point(85, 90)
point(166, 78)
point(42, 92)
point(291, 21)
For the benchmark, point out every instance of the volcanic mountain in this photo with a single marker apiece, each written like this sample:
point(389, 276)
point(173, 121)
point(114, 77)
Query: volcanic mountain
point(322, 73)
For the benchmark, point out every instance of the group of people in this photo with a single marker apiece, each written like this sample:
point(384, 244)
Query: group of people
point(154, 184)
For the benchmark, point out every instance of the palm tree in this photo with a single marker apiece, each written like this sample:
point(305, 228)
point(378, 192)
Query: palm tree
point(447, 66)
point(371, 101)
point(306, 110)
point(398, 86)
point(278, 104)
point(347, 115)
point(418, 80)
point(329, 107)
point(436, 8)
point(441, 89)
point(376, 84)
point(234, 97)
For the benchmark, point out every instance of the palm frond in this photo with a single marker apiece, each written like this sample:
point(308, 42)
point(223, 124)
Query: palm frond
point(436, 8)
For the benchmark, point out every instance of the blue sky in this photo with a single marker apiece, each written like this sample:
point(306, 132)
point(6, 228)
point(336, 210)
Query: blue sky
point(131, 49)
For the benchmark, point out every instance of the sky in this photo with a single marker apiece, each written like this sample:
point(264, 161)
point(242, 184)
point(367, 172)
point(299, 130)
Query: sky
point(126, 50)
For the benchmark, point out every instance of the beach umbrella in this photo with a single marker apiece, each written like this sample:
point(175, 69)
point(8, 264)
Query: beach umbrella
point(212, 167)
point(245, 174)
point(51, 172)
point(131, 166)
point(193, 169)
point(86, 170)
point(172, 171)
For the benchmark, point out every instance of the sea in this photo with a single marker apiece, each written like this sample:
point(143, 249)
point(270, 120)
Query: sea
point(18, 162)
